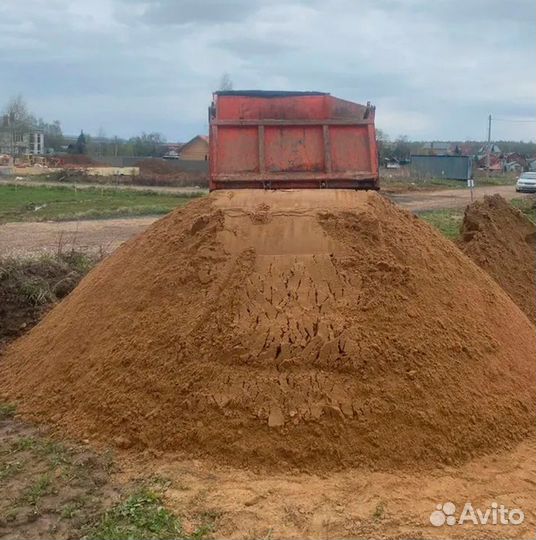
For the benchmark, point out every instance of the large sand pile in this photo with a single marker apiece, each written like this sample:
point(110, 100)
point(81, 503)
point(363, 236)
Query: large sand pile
point(315, 329)
point(502, 241)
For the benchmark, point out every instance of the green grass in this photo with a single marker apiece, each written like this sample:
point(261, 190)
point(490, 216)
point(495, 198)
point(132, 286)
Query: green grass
point(142, 516)
point(495, 181)
point(42, 279)
point(54, 453)
point(41, 487)
point(7, 410)
point(61, 203)
point(423, 184)
point(419, 184)
point(527, 206)
point(447, 221)
point(8, 470)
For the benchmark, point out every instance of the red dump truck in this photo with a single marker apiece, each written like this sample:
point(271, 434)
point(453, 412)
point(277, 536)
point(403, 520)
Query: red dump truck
point(277, 140)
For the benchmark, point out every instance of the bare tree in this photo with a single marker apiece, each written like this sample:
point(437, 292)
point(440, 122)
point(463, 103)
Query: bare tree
point(402, 148)
point(19, 116)
point(18, 120)
point(382, 140)
point(225, 82)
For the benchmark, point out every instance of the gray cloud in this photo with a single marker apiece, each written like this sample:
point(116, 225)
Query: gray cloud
point(173, 12)
point(434, 69)
point(194, 11)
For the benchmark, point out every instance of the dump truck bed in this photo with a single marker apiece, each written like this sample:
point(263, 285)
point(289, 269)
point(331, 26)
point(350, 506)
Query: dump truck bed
point(274, 140)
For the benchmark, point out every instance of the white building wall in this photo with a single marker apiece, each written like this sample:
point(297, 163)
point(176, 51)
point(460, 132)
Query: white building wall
point(37, 143)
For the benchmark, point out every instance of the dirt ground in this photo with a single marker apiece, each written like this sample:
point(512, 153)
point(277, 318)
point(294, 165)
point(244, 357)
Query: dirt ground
point(50, 489)
point(67, 485)
point(449, 198)
point(355, 503)
point(106, 235)
point(58, 489)
point(53, 488)
point(90, 235)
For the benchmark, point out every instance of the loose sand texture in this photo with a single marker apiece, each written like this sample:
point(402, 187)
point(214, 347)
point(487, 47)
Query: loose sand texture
point(502, 241)
point(305, 330)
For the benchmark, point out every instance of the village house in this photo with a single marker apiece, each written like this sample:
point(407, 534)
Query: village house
point(514, 161)
point(195, 149)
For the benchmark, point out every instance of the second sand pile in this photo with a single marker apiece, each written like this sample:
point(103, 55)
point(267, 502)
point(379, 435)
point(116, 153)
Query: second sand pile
point(313, 330)
point(502, 241)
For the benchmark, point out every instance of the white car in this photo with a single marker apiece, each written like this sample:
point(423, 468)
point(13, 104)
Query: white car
point(526, 182)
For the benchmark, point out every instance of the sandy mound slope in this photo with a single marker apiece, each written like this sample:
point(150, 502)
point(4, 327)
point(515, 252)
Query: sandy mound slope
point(316, 329)
point(502, 241)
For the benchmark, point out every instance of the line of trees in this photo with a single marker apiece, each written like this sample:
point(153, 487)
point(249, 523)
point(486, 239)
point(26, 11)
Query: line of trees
point(21, 120)
point(146, 144)
point(18, 119)
point(402, 147)
point(399, 149)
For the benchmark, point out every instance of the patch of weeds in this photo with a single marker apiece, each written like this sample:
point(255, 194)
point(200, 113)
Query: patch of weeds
point(527, 206)
point(160, 481)
point(7, 410)
point(41, 487)
point(77, 260)
point(36, 291)
point(30, 285)
point(71, 509)
point(379, 511)
point(7, 470)
point(55, 452)
point(68, 511)
point(24, 443)
point(207, 524)
point(142, 515)
point(11, 515)
point(108, 461)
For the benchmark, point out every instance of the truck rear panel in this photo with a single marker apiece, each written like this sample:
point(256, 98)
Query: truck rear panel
point(277, 140)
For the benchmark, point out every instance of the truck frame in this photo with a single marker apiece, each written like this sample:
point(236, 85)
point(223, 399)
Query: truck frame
point(291, 140)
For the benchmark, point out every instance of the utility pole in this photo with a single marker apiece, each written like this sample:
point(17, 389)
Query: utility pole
point(489, 144)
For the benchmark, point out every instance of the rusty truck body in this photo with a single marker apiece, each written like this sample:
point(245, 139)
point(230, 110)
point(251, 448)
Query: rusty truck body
point(278, 140)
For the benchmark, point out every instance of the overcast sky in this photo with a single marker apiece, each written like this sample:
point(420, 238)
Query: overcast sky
point(434, 68)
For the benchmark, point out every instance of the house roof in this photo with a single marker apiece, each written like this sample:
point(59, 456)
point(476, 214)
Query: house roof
point(494, 149)
point(515, 156)
point(495, 162)
point(191, 141)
